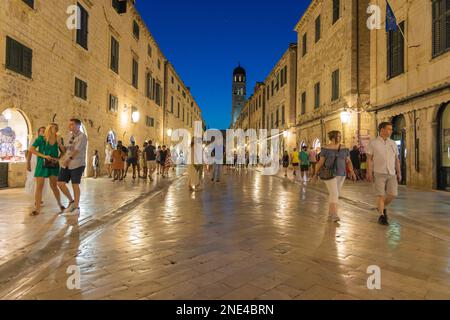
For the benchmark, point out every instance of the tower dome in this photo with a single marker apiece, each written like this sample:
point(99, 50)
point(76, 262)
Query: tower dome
point(239, 71)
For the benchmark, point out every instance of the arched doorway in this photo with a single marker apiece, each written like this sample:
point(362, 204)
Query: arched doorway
point(316, 145)
point(14, 136)
point(399, 136)
point(443, 166)
point(111, 138)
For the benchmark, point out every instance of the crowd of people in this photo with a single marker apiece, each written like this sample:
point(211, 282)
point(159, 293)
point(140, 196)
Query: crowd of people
point(62, 161)
point(144, 163)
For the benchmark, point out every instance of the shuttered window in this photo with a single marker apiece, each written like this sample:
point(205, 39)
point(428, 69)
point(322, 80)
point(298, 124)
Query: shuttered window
point(82, 32)
point(283, 120)
point(318, 28)
point(150, 122)
point(395, 52)
point(317, 95)
point(18, 57)
point(136, 30)
point(336, 10)
point(305, 45)
point(158, 94)
point(335, 85)
point(303, 111)
point(30, 3)
point(120, 6)
point(441, 26)
point(114, 55)
point(113, 103)
point(135, 74)
point(148, 85)
point(80, 89)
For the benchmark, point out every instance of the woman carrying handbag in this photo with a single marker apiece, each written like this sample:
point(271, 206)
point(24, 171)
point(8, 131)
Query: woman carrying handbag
point(331, 169)
point(47, 150)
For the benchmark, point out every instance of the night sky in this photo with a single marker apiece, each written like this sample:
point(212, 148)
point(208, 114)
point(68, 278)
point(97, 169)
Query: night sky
point(205, 40)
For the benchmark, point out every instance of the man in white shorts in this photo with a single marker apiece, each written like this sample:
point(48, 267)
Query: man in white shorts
point(383, 168)
point(150, 156)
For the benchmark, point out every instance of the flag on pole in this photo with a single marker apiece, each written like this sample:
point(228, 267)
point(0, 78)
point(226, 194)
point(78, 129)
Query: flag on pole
point(391, 20)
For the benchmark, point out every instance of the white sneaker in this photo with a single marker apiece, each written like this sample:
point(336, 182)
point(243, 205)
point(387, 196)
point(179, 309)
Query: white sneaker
point(69, 207)
point(73, 212)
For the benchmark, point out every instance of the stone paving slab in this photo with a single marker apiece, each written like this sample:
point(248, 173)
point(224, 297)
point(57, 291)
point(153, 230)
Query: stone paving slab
point(247, 237)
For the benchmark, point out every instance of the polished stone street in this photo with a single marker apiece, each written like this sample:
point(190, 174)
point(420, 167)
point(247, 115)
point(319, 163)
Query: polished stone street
point(247, 237)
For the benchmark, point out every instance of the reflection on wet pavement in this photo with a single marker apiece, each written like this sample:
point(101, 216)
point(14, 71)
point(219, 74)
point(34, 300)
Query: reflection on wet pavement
point(247, 237)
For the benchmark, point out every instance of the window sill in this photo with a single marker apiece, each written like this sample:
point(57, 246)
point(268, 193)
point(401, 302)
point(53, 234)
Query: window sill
point(440, 56)
point(81, 100)
point(17, 74)
point(398, 76)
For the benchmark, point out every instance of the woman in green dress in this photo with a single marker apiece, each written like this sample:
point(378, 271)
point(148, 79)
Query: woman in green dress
point(47, 147)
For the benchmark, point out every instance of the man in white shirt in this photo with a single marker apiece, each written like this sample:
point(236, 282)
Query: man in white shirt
point(383, 168)
point(73, 166)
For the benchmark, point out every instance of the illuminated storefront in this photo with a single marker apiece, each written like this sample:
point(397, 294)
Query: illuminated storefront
point(14, 136)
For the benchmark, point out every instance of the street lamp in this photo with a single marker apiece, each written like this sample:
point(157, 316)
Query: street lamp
point(345, 117)
point(135, 116)
point(169, 132)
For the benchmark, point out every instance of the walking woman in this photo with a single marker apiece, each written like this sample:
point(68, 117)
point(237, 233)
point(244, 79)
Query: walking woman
point(285, 162)
point(118, 162)
point(168, 163)
point(195, 171)
point(334, 159)
point(30, 184)
point(108, 159)
point(47, 149)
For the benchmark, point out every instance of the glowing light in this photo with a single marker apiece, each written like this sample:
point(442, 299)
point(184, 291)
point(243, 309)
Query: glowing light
point(7, 114)
point(169, 132)
point(286, 134)
point(345, 117)
point(135, 116)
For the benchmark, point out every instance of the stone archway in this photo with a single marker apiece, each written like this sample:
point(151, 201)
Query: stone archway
point(443, 147)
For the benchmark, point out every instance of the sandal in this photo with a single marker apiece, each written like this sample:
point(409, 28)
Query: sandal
point(34, 213)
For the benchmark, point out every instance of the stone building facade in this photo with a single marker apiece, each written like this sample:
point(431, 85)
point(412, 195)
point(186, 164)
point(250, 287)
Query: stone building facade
point(181, 109)
point(280, 106)
point(333, 73)
point(272, 104)
point(110, 73)
point(412, 89)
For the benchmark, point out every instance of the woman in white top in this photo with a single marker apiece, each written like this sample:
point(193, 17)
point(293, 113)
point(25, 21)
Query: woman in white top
point(108, 158)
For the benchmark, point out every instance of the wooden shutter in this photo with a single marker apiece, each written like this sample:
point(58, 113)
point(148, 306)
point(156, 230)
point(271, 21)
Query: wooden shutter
point(305, 48)
point(114, 55)
point(82, 33)
point(318, 28)
point(303, 102)
point(27, 61)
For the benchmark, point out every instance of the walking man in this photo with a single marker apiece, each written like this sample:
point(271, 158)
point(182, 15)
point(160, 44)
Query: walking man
point(73, 166)
point(132, 159)
point(383, 168)
point(150, 156)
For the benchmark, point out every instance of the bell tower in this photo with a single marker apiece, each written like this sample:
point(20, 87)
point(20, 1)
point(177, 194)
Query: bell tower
point(239, 92)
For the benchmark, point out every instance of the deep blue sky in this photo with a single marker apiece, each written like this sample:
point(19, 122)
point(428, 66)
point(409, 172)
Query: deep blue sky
point(205, 40)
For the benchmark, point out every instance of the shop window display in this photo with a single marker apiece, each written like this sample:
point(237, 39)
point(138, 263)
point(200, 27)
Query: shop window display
point(13, 136)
